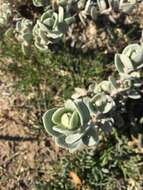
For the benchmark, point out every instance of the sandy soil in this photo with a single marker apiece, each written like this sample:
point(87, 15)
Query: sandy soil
point(26, 154)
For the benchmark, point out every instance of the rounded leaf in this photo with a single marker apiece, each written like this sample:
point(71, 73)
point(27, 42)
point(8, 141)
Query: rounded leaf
point(48, 124)
point(49, 22)
point(91, 136)
point(133, 94)
point(102, 103)
point(113, 82)
point(128, 50)
point(70, 139)
point(61, 14)
point(74, 121)
point(72, 147)
point(57, 115)
point(118, 63)
point(83, 111)
point(128, 66)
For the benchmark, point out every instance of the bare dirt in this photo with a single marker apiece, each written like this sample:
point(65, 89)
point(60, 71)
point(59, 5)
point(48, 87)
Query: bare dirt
point(26, 154)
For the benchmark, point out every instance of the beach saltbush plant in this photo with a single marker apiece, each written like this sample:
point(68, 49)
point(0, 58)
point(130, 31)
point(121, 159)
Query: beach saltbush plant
point(52, 26)
point(86, 118)
point(24, 34)
point(5, 13)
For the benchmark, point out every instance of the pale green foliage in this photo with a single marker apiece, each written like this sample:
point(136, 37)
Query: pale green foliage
point(83, 119)
point(50, 28)
point(94, 8)
point(66, 124)
point(131, 59)
point(118, 5)
point(102, 103)
point(43, 3)
point(40, 3)
point(84, 8)
point(24, 34)
point(128, 63)
point(5, 13)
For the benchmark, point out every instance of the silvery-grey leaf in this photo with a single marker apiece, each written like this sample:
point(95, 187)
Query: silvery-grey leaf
point(48, 124)
point(73, 138)
point(91, 136)
point(118, 63)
